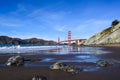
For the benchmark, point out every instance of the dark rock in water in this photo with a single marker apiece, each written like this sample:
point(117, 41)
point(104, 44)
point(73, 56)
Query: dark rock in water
point(64, 67)
point(58, 65)
point(15, 61)
point(39, 78)
point(102, 63)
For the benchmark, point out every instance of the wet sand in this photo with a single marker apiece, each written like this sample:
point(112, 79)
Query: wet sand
point(41, 68)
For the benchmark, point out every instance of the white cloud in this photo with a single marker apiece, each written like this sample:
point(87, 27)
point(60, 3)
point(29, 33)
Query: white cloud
point(90, 27)
point(9, 22)
point(61, 28)
point(93, 24)
point(32, 35)
point(20, 9)
point(48, 17)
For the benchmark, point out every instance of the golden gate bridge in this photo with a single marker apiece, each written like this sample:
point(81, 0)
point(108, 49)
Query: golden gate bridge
point(69, 40)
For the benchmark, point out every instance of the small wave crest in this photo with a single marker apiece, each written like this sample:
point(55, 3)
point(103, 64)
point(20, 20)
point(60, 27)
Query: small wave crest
point(23, 49)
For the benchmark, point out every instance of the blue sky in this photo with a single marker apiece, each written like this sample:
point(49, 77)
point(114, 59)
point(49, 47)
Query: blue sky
point(50, 19)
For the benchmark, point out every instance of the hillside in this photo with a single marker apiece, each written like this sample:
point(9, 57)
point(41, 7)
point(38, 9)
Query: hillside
point(110, 35)
point(9, 40)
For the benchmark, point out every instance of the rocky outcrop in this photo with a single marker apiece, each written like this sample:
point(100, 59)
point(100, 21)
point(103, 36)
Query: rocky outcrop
point(103, 63)
point(64, 67)
point(9, 40)
point(110, 35)
point(15, 61)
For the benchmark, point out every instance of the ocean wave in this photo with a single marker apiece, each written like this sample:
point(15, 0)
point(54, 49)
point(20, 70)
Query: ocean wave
point(22, 49)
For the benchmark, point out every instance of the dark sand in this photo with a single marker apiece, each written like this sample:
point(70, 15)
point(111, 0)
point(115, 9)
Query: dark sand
point(25, 72)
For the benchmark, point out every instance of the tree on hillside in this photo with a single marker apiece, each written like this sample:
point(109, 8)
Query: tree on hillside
point(115, 22)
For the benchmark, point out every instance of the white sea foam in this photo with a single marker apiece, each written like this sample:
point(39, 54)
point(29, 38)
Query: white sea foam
point(23, 49)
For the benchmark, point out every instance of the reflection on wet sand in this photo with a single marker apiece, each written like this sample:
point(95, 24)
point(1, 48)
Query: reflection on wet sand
point(67, 54)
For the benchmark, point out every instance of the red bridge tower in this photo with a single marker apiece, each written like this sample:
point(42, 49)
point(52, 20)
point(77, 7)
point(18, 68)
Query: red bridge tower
point(69, 38)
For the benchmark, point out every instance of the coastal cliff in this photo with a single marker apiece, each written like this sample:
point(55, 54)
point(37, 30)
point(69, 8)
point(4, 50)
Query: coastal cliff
point(110, 35)
point(9, 40)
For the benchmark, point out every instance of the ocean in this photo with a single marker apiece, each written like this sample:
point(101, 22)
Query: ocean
point(25, 48)
point(44, 55)
point(50, 49)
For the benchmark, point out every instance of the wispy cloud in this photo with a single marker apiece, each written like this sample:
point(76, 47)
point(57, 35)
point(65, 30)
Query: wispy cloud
point(94, 24)
point(20, 10)
point(9, 22)
point(21, 7)
point(28, 35)
point(49, 17)
point(61, 28)
point(90, 27)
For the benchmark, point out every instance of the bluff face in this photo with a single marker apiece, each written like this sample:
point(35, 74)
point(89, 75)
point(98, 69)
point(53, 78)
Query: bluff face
point(9, 40)
point(110, 35)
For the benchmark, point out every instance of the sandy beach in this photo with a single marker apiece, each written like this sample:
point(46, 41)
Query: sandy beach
point(38, 65)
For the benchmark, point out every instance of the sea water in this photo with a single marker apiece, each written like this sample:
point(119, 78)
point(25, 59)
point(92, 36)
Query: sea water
point(50, 49)
point(77, 54)
point(26, 48)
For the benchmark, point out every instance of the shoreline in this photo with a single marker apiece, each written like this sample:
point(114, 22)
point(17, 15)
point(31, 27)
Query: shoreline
point(26, 73)
point(104, 45)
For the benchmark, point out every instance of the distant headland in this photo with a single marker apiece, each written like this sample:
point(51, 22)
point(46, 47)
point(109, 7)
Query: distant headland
point(10, 40)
